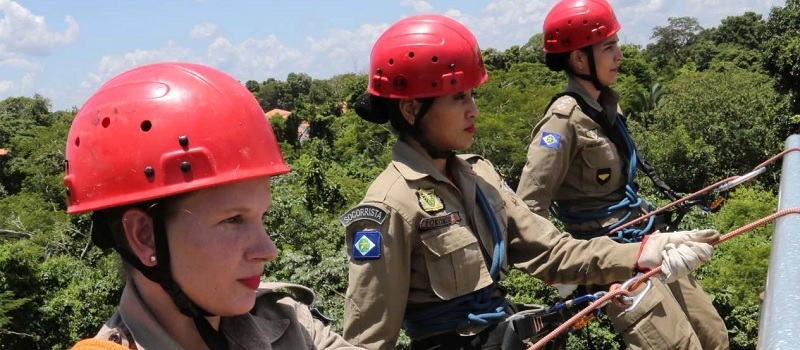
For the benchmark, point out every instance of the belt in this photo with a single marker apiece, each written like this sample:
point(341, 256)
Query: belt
point(515, 333)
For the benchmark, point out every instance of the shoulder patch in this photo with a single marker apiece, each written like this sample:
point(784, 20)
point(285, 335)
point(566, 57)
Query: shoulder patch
point(363, 212)
point(550, 140)
point(366, 245)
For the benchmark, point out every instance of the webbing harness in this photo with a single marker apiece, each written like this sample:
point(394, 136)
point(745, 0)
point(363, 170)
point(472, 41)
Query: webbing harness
point(631, 202)
point(480, 307)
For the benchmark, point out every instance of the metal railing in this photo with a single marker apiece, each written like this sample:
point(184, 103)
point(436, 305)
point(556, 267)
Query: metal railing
point(779, 319)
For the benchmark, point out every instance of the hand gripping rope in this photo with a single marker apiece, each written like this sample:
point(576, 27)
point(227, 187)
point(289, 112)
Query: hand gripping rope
point(622, 295)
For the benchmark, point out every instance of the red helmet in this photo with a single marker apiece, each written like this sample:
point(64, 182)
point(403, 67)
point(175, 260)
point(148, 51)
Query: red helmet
point(425, 56)
point(574, 24)
point(163, 129)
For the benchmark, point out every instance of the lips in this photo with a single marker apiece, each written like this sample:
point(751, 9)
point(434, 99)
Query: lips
point(251, 282)
point(470, 129)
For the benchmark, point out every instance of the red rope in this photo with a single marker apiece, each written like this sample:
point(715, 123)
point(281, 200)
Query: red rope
point(616, 289)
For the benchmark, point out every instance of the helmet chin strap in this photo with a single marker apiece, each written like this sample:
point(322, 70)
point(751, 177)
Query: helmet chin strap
point(592, 76)
point(419, 136)
point(162, 275)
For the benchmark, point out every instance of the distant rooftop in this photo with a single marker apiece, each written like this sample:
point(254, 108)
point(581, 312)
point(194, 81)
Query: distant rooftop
point(278, 111)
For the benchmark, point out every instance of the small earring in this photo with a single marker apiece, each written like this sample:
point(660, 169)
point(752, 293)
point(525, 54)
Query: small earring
point(152, 258)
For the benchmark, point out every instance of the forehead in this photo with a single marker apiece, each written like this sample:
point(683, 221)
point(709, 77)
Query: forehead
point(610, 41)
point(242, 193)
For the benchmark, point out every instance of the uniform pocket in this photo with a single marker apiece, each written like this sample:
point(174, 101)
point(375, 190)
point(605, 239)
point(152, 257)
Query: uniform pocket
point(601, 171)
point(454, 262)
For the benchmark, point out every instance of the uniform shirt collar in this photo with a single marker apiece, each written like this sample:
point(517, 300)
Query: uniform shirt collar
point(609, 99)
point(242, 332)
point(412, 165)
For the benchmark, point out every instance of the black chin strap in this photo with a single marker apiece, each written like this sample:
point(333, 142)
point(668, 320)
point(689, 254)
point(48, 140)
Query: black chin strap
point(592, 76)
point(161, 274)
point(417, 134)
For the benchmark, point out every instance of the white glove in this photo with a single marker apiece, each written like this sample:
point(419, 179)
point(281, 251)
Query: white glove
point(565, 290)
point(680, 260)
point(650, 252)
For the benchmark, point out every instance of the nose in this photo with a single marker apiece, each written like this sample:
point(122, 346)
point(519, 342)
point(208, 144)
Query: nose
point(263, 248)
point(473, 111)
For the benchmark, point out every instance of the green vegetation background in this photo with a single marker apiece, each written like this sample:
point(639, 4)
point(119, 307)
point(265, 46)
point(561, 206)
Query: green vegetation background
point(702, 103)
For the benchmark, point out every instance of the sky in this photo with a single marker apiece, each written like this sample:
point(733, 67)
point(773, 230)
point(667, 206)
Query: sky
point(64, 50)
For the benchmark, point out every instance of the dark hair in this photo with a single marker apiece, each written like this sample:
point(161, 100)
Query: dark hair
point(558, 62)
point(379, 110)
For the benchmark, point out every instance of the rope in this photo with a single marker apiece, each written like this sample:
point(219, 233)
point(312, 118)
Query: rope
point(701, 192)
point(481, 307)
point(616, 289)
point(631, 202)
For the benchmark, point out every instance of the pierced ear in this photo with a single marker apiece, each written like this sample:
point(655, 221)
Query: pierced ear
point(138, 227)
point(409, 107)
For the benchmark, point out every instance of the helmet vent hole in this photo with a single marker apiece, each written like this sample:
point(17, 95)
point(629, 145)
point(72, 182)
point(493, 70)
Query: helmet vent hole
point(434, 59)
point(391, 61)
point(411, 54)
point(434, 84)
point(77, 142)
point(106, 122)
point(569, 22)
point(453, 81)
point(585, 22)
point(146, 125)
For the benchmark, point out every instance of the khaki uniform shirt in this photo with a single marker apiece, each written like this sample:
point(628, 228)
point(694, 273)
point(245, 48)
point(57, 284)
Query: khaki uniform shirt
point(572, 161)
point(432, 239)
point(277, 321)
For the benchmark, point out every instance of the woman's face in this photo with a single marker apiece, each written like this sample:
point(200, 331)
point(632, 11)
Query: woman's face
point(607, 57)
point(450, 122)
point(218, 244)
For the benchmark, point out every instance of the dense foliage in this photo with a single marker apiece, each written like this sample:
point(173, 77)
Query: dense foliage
point(703, 104)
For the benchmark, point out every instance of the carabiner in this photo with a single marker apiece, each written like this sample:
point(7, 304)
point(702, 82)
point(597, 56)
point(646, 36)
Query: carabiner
point(636, 299)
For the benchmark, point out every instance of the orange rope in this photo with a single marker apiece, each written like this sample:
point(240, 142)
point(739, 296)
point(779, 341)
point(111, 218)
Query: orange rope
point(617, 290)
point(700, 192)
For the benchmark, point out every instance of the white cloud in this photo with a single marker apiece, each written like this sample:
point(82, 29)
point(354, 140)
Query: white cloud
point(6, 85)
point(23, 32)
point(343, 49)
point(420, 6)
point(111, 65)
point(251, 58)
point(204, 30)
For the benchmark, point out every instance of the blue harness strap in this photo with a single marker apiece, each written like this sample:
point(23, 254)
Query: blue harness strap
point(480, 307)
point(630, 203)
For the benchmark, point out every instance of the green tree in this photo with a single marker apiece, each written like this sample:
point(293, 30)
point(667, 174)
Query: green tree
point(671, 40)
point(711, 125)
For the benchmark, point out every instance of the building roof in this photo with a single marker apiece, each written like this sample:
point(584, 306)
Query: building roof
point(278, 111)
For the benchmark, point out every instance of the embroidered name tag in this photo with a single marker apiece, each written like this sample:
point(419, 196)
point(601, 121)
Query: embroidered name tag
point(550, 140)
point(439, 221)
point(363, 212)
point(367, 245)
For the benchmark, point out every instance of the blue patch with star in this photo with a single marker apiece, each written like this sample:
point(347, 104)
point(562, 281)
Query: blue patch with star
point(550, 140)
point(367, 245)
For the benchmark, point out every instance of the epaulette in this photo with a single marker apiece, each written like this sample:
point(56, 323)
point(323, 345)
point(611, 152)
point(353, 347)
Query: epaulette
point(297, 292)
point(563, 105)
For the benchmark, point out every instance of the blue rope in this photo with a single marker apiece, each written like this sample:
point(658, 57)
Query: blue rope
point(480, 307)
point(631, 202)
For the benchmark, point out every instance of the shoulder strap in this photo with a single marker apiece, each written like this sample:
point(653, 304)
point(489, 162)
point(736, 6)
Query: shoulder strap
point(615, 135)
point(300, 293)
